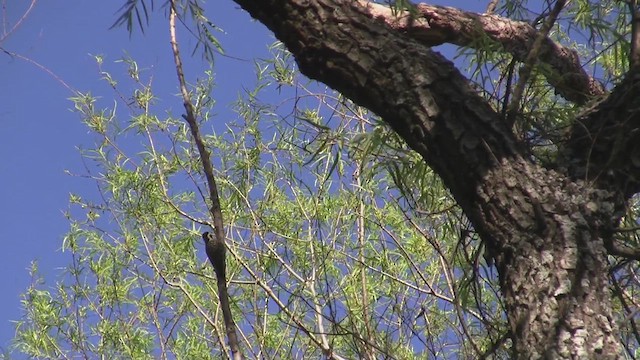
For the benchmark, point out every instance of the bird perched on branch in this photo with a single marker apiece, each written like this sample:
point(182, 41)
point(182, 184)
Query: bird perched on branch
point(216, 251)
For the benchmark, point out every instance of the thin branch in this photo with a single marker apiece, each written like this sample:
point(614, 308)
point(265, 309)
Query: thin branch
point(154, 265)
point(5, 33)
point(327, 351)
point(530, 61)
point(360, 226)
point(41, 67)
point(617, 249)
point(216, 242)
point(634, 54)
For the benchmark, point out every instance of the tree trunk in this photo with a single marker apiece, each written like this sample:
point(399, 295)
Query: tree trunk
point(546, 231)
point(549, 249)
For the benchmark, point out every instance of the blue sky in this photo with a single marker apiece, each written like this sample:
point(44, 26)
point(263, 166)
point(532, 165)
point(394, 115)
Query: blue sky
point(39, 134)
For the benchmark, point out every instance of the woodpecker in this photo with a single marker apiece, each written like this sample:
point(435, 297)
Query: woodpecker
point(216, 252)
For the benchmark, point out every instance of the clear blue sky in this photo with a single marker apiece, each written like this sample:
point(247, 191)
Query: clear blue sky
point(39, 134)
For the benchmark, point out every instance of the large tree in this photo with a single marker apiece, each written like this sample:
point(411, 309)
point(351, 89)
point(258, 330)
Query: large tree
point(549, 225)
point(356, 234)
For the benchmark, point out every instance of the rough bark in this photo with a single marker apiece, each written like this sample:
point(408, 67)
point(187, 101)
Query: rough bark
point(435, 25)
point(546, 229)
point(603, 145)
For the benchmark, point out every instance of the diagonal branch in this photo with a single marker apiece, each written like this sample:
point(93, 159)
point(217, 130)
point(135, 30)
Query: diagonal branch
point(437, 25)
point(215, 244)
point(418, 92)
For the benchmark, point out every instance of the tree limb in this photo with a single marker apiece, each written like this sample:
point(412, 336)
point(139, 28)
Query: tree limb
point(603, 144)
point(418, 92)
point(437, 25)
point(215, 244)
point(522, 211)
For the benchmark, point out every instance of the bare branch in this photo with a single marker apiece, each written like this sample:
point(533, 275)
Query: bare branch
point(215, 245)
point(6, 33)
point(530, 61)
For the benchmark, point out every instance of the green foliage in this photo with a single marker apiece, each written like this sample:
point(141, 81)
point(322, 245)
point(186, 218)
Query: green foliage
point(339, 237)
point(597, 31)
point(330, 220)
point(137, 12)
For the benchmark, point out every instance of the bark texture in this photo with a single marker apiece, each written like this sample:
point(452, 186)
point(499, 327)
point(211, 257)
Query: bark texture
point(546, 228)
point(440, 24)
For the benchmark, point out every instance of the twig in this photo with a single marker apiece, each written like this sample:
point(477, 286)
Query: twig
point(5, 33)
point(530, 61)
point(41, 67)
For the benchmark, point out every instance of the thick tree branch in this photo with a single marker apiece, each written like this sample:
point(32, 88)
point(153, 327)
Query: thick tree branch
point(542, 229)
point(437, 25)
point(417, 91)
point(603, 145)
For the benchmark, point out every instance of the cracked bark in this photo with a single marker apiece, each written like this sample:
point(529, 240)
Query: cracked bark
point(546, 229)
